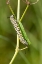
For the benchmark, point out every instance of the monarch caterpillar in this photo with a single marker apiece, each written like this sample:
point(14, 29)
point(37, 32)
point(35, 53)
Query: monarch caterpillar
point(20, 30)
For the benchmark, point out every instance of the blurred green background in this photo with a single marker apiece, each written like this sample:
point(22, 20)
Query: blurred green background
point(32, 22)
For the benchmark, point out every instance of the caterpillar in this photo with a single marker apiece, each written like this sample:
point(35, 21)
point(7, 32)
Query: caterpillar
point(19, 30)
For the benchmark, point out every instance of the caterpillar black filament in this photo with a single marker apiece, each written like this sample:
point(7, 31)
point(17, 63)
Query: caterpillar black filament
point(18, 30)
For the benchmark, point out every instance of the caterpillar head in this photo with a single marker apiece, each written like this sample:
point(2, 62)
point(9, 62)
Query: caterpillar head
point(11, 17)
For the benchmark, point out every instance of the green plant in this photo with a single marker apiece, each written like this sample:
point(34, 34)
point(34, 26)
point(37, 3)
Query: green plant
point(19, 24)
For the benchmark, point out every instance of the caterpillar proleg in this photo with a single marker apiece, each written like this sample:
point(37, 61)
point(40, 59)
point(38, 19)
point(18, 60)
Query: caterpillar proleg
point(19, 30)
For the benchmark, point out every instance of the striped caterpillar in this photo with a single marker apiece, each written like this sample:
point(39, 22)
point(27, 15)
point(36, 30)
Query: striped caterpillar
point(20, 30)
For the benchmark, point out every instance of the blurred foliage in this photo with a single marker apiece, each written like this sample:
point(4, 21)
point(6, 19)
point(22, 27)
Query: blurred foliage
point(32, 22)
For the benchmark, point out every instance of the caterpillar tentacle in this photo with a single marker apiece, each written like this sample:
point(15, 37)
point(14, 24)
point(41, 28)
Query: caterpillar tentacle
point(18, 30)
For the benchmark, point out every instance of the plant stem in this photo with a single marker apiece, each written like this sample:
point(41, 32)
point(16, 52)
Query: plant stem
point(24, 13)
point(17, 46)
point(18, 17)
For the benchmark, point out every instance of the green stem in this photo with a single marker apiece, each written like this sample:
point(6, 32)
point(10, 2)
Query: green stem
point(11, 10)
point(18, 17)
point(24, 13)
point(17, 46)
